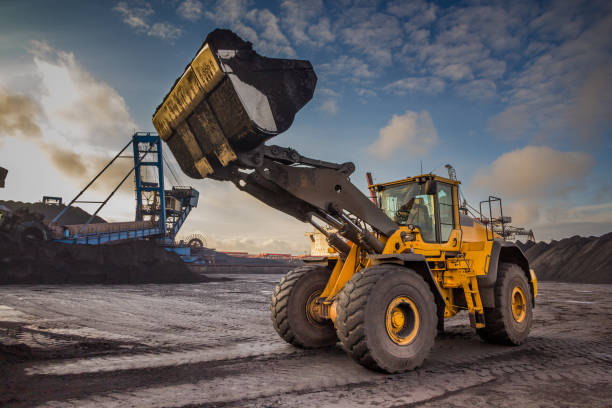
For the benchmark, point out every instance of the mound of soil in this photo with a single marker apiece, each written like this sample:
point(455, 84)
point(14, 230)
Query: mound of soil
point(33, 261)
point(74, 215)
point(574, 259)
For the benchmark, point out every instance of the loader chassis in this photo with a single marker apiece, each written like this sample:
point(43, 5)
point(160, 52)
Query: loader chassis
point(400, 265)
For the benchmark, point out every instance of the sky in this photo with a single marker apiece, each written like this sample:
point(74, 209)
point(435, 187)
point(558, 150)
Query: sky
point(515, 95)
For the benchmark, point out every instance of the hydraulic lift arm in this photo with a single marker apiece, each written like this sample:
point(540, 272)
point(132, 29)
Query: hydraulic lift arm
point(311, 191)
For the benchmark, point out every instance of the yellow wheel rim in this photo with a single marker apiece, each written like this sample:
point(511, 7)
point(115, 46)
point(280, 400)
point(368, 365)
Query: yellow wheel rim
point(402, 320)
point(519, 305)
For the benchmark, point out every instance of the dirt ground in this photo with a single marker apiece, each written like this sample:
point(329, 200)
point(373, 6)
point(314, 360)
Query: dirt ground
point(212, 344)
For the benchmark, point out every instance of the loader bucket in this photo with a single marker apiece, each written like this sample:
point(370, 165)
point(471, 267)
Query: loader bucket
point(230, 100)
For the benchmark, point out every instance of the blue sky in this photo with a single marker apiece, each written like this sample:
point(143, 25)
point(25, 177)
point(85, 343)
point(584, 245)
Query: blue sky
point(515, 95)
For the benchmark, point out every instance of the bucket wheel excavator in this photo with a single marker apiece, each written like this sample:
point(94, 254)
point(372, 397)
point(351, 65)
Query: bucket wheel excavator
point(402, 262)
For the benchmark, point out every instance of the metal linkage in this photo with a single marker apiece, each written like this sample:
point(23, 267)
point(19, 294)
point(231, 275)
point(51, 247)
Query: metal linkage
point(305, 188)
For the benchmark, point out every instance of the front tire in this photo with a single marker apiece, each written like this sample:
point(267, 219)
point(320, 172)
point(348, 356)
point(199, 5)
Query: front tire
point(509, 322)
point(386, 318)
point(292, 308)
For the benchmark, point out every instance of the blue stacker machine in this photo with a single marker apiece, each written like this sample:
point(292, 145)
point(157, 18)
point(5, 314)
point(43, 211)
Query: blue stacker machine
point(160, 213)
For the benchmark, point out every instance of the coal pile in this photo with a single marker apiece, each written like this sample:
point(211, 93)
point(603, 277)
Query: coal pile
point(575, 259)
point(74, 215)
point(46, 262)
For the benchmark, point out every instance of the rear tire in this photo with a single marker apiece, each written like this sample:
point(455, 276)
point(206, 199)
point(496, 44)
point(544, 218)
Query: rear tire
point(510, 320)
point(386, 318)
point(290, 307)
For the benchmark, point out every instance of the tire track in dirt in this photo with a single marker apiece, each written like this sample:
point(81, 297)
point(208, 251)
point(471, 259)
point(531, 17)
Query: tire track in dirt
point(320, 378)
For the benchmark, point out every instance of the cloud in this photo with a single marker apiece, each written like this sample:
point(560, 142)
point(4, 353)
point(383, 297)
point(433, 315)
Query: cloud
point(231, 219)
point(410, 133)
point(139, 19)
point(374, 35)
point(25, 118)
point(297, 17)
point(479, 89)
point(74, 119)
point(592, 112)
point(535, 172)
point(191, 10)
point(272, 38)
point(322, 32)
point(135, 17)
point(349, 68)
point(329, 106)
point(79, 107)
point(328, 92)
point(18, 115)
point(564, 91)
point(431, 85)
point(259, 26)
point(256, 246)
point(165, 31)
point(538, 185)
point(365, 92)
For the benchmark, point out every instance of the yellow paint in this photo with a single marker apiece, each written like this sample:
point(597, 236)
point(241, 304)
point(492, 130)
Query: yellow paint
point(402, 320)
point(534, 282)
point(455, 265)
point(347, 269)
point(519, 305)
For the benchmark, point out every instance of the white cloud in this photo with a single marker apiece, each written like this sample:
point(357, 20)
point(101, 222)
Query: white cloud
point(538, 186)
point(328, 92)
point(165, 31)
point(564, 92)
point(257, 246)
point(456, 72)
point(322, 32)
point(403, 86)
point(231, 219)
point(374, 35)
point(412, 133)
point(365, 92)
point(272, 38)
point(259, 26)
point(329, 106)
point(191, 10)
point(479, 89)
point(71, 117)
point(76, 104)
point(135, 17)
point(348, 68)
point(535, 172)
point(297, 16)
point(139, 19)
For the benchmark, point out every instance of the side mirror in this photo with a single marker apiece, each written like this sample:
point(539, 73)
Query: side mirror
point(431, 187)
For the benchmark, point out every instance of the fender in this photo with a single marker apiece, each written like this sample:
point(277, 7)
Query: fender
point(502, 251)
point(418, 263)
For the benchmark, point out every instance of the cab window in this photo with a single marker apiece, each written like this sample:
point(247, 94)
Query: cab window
point(445, 201)
point(407, 204)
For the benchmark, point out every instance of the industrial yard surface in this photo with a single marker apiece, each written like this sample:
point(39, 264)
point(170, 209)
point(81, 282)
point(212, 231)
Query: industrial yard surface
point(212, 344)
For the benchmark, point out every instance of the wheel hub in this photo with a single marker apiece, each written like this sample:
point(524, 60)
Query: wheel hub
point(313, 309)
point(402, 320)
point(519, 305)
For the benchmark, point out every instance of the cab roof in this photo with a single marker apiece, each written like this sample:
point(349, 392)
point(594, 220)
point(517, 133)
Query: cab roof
point(419, 178)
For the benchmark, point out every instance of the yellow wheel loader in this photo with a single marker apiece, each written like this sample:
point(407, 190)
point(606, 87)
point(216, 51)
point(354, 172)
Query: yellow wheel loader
point(403, 261)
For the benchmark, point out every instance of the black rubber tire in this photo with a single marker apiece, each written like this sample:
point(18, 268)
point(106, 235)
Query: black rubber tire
point(361, 318)
point(288, 308)
point(501, 327)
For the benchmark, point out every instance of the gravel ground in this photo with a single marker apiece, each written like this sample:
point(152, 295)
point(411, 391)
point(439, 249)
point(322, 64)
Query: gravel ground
point(212, 344)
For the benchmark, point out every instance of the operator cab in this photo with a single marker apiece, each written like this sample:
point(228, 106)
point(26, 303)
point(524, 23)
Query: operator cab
point(425, 202)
